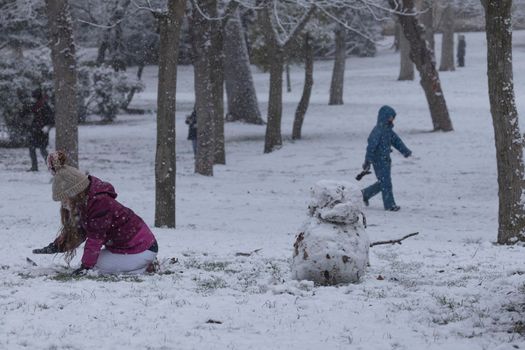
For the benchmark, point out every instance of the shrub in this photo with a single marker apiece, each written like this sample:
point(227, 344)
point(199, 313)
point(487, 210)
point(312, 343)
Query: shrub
point(101, 91)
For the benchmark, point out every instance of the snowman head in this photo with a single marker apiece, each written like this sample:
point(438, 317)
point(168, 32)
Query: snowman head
point(337, 202)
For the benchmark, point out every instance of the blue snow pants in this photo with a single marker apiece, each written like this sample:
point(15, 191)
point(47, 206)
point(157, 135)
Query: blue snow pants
point(383, 185)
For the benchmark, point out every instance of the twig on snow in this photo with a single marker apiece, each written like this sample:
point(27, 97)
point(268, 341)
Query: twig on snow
point(248, 254)
point(393, 241)
point(31, 262)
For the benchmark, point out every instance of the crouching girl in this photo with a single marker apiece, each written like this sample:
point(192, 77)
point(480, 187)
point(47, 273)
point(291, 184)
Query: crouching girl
point(117, 239)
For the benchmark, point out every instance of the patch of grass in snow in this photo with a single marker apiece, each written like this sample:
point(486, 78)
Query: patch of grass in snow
point(275, 271)
point(62, 347)
point(447, 302)
point(215, 265)
point(67, 277)
point(11, 284)
point(519, 327)
point(472, 240)
point(452, 310)
point(41, 306)
point(25, 275)
point(208, 284)
point(468, 268)
point(375, 293)
point(210, 266)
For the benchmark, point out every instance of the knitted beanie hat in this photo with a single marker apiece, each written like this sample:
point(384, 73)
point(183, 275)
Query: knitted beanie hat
point(67, 180)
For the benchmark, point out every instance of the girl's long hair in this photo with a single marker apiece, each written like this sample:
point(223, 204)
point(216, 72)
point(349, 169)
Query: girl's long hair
point(71, 234)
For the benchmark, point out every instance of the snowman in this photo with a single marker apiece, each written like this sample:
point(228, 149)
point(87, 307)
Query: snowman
point(332, 246)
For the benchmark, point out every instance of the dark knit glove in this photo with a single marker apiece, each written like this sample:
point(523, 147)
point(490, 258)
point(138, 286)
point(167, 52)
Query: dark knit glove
point(52, 248)
point(82, 270)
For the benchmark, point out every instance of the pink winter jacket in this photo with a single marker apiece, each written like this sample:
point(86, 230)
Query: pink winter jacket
point(108, 223)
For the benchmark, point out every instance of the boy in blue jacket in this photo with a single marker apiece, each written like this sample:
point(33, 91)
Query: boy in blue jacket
point(380, 141)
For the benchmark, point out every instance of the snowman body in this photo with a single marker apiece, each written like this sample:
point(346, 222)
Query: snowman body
point(332, 246)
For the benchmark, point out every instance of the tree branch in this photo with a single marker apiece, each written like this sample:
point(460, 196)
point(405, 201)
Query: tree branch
point(232, 6)
point(393, 241)
point(300, 26)
point(269, 32)
point(230, 10)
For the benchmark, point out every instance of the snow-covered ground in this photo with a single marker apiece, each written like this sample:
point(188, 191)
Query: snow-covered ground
point(448, 288)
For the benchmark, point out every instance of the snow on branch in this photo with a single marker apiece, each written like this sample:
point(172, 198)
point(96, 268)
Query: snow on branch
point(346, 26)
point(157, 12)
point(230, 9)
point(300, 26)
point(110, 26)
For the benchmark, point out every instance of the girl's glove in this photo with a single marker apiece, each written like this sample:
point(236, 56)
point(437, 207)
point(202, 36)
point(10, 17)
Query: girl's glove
point(82, 270)
point(52, 248)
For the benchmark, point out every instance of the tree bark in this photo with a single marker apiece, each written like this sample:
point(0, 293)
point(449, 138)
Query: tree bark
point(447, 43)
point(201, 29)
point(397, 36)
point(338, 73)
point(508, 139)
point(217, 83)
point(423, 58)
point(240, 89)
point(288, 78)
point(114, 44)
point(427, 20)
point(277, 51)
point(307, 89)
point(273, 138)
point(406, 69)
point(131, 94)
point(65, 77)
point(165, 164)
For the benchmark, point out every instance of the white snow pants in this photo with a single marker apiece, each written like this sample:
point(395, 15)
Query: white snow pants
point(136, 264)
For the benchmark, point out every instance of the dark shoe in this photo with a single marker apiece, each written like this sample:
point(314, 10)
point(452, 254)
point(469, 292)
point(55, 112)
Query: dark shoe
point(365, 201)
point(394, 208)
point(32, 169)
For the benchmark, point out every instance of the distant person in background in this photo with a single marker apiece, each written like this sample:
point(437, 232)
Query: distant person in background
point(191, 120)
point(41, 122)
point(462, 47)
point(380, 141)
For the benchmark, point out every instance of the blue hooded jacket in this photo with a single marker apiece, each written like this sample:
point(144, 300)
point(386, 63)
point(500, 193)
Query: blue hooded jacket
point(382, 138)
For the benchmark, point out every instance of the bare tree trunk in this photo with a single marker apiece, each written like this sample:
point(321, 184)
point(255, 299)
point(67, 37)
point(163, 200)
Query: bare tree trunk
point(217, 82)
point(397, 36)
point(277, 51)
point(240, 89)
point(406, 69)
point(427, 20)
point(423, 58)
point(509, 141)
point(288, 79)
point(131, 94)
point(338, 73)
point(273, 139)
point(307, 89)
point(447, 43)
point(201, 29)
point(165, 165)
point(114, 27)
point(65, 76)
